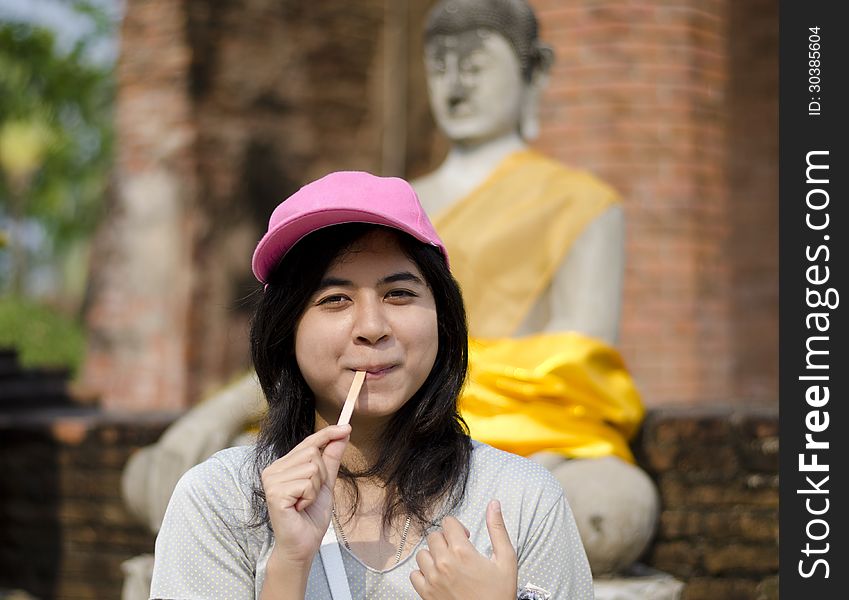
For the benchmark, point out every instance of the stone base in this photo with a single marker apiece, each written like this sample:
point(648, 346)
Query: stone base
point(138, 572)
point(642, 583)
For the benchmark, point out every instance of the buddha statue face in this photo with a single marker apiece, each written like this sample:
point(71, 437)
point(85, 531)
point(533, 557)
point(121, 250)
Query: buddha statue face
point(475, 85)
point(485, 66)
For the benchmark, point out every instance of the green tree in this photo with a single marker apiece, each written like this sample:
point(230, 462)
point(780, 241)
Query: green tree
point(55, 154)
point(55, 141)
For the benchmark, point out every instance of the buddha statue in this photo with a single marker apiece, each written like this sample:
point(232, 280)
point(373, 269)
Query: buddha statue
point(538, 249)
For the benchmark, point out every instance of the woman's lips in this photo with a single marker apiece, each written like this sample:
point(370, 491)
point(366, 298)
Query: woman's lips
point(377, 372)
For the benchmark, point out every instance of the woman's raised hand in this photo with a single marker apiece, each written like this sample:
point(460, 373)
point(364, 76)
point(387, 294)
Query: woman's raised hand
point(452, 568)
point(299, 493)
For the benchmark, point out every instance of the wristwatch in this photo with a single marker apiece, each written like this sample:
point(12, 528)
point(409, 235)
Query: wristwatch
point(532, 592)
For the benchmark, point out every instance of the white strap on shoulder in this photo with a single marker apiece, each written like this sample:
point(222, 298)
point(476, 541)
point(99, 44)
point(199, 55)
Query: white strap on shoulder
point(334, 568)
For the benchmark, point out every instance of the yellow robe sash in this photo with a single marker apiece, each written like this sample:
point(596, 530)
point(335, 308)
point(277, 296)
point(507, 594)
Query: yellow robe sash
point(509, 236)
point(562, 392)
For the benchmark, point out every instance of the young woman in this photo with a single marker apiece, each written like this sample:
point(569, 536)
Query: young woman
point(356, 279)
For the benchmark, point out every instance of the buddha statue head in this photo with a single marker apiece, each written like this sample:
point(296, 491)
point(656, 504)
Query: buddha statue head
point(485, 68)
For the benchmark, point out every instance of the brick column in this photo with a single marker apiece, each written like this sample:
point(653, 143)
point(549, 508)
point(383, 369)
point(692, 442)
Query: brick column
point(224, 109)
point(142, 272)
point(753, 177)
point(637, 97)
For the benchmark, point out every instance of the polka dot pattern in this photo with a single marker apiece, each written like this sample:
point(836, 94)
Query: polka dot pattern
point(204, 549)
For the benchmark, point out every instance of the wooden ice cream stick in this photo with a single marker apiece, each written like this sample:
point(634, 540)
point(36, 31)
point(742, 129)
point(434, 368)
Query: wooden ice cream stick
point(353, 393)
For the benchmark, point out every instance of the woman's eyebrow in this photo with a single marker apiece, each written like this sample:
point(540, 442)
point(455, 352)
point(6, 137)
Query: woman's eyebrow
point(403, 276)
point(334, 282)
point(394, 278)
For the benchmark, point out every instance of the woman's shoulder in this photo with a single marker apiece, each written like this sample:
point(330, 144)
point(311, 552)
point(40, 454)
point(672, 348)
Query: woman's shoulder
point(494, 468)
point(228, 472)
point(232, 460)
point(485, 456)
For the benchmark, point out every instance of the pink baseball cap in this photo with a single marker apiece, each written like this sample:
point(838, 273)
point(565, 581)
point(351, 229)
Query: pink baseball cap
point(342, 197)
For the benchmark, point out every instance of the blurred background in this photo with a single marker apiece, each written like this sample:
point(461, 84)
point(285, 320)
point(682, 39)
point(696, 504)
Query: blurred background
point(143, 144)
point(57, 90)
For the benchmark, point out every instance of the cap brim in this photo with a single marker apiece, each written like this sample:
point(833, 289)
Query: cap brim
point(278, 241)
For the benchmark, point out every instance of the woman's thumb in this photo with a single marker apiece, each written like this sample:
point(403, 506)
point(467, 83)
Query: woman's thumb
point(332, 457)
point(502, 548)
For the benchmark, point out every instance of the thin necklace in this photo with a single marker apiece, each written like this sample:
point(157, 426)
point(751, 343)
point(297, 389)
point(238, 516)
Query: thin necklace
point(348, 546)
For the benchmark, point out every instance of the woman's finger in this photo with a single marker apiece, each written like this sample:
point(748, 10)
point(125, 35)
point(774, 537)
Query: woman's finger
point(437, 544)
point(502, 548)
point(289, 493)
point(304, 470)
point(327, 457)
point(419, 584)
point(332, 458)
point(424, 560)
point(317, 482)
point(456, 534)
point(322, 437)
point(297, 456)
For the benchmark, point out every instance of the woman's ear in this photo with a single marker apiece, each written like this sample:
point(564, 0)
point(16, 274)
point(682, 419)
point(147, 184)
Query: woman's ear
point(529, 118)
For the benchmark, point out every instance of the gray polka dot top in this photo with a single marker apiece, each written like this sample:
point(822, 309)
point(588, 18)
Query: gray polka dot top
point(204, 550)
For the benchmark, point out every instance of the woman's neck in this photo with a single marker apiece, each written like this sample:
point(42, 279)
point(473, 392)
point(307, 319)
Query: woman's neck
point(364, 444)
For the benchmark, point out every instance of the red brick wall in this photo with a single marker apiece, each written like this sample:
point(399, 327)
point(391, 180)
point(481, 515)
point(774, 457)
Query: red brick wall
point(224, 108)
point(638, 96)
point(717, 471)
point(141, 275)
point(64, 531)
point(752, 252)
point(283, 92)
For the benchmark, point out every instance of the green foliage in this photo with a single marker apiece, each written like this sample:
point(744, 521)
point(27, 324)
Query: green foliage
point(43, 337)
point(55, 132)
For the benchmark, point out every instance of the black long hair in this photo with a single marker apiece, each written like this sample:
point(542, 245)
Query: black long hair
point(425, 449)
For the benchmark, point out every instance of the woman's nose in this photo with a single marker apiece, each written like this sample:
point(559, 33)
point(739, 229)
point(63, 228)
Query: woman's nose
point(370, 322)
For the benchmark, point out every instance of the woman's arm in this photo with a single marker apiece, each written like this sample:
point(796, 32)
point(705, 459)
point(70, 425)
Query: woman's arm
point(285, 581)
point(299, 493)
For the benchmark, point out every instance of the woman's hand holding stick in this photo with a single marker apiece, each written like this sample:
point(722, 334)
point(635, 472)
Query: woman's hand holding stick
point(299, 494)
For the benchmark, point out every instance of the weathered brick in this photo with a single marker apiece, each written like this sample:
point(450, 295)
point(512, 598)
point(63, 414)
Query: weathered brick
point(739, 558)
point(767, 589)
point(677, 491)
point(680, 558)
point(713, 589)
point(735, 523)
point(759, 526)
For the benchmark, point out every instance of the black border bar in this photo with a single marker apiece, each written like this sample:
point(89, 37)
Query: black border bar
point(813, 229)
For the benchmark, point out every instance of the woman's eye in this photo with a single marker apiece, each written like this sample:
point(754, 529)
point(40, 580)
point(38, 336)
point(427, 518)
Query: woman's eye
point(400, 294)
point(332, 300)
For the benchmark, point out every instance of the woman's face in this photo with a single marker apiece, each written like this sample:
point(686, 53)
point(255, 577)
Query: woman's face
point(373, 312)
point(475, 85)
